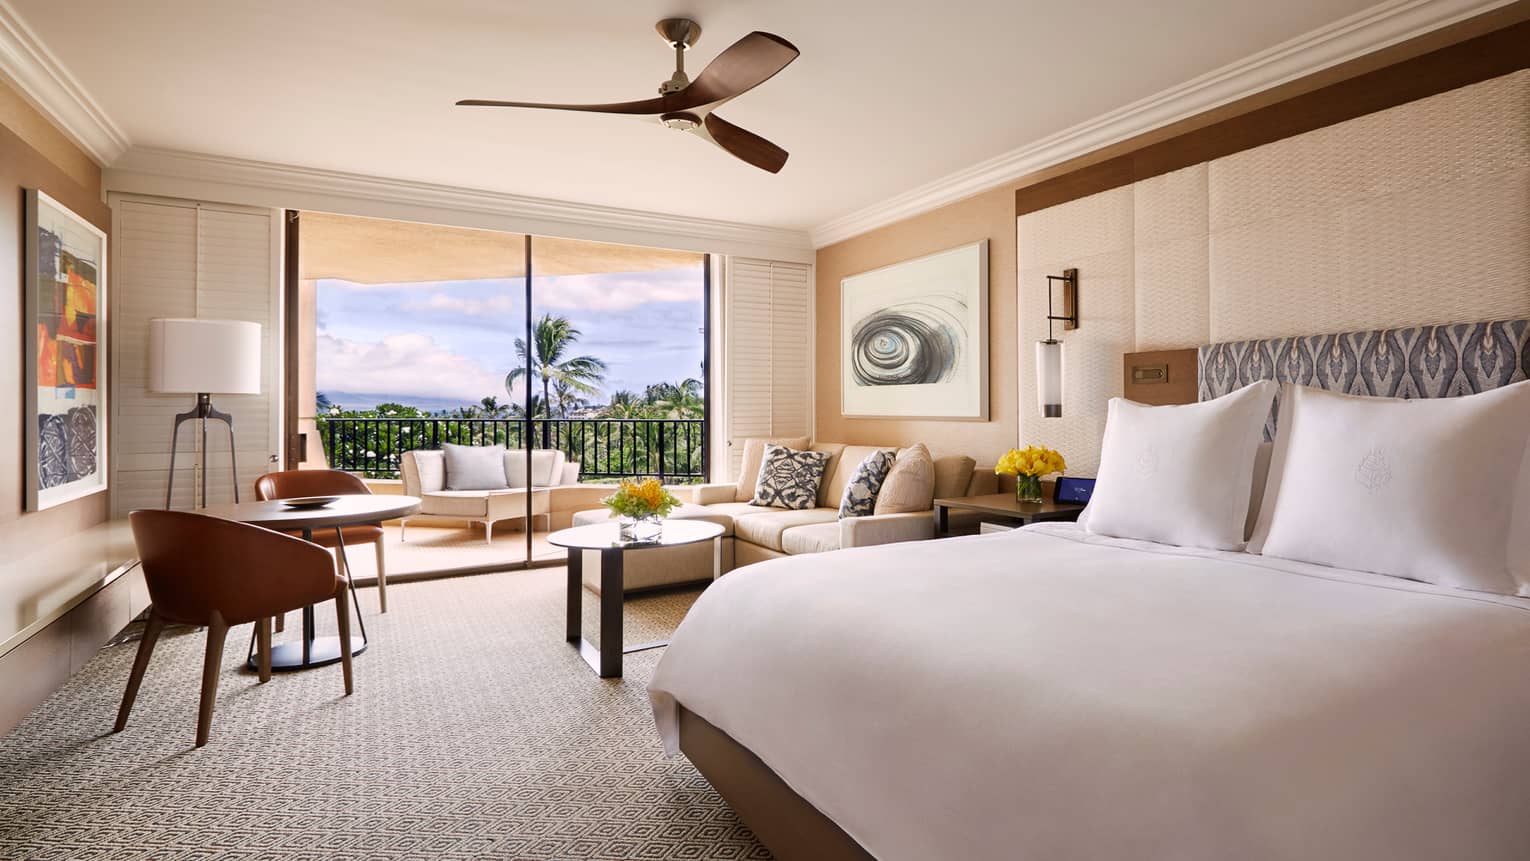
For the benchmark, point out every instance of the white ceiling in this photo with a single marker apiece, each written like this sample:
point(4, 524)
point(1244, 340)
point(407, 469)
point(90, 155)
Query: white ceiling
point(887, 95)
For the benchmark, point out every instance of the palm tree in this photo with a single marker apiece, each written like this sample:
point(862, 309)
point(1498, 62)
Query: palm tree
point(625, 405)
point(553, 336)
point(490, 407)
point(566, 399)
point(538, 408)
point(680, 400)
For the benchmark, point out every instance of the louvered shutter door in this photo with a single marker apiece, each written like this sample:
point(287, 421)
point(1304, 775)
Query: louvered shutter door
point(176, 259)
point(768, 352)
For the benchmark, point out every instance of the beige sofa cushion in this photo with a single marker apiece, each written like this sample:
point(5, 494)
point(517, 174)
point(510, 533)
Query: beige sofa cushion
point(765, 527)
point(910, 485)
point(754, 453)
point(833, 450)
point(849, 459)
point(953, 475)
point(455, 503)
point(816, 538)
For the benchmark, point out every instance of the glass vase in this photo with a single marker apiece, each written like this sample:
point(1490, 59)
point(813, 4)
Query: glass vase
point(638, 529)
point(1028, 488)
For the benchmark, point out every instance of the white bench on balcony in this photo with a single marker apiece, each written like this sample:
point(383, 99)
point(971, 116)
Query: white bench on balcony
point(425, 477)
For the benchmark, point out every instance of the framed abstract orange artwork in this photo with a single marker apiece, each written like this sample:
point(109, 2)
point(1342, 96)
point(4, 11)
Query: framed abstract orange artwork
point(66, 354)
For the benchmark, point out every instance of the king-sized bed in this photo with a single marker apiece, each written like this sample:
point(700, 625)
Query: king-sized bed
point(1054, 693)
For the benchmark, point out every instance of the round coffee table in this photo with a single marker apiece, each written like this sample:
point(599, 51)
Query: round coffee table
point(606, 538)
point(349, 510)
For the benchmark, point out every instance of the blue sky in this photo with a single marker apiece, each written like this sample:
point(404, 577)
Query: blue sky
point(455, 340)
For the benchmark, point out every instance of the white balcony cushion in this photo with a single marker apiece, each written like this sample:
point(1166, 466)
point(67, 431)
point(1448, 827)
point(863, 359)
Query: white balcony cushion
point(815, 538)
point(765, 528)
point(546, 467)
point(424, 472)
point(455, 503)
point(474, 467)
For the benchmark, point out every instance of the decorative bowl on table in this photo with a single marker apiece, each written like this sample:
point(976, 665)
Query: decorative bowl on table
point(308, 501)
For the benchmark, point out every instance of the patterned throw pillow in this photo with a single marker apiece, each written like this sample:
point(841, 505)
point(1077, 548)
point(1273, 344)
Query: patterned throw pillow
point(789, 479)
point(860, 497)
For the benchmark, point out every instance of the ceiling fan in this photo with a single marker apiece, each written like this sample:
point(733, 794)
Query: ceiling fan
point(688, 105)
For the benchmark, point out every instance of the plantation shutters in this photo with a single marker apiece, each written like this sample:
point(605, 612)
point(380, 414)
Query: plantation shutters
point(175, 258)
point(769, 352)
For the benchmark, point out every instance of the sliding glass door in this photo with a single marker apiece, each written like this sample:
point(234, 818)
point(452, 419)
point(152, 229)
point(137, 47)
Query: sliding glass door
point(587, 361)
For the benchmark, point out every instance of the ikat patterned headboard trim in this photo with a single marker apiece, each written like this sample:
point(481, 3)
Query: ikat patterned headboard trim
point(1419, 362)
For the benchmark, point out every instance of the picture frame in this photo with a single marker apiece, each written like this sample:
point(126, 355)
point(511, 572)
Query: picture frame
point(64, 318)
point(914, 338)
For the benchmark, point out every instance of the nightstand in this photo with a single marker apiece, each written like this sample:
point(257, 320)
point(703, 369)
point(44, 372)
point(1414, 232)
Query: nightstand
point(1003, 506)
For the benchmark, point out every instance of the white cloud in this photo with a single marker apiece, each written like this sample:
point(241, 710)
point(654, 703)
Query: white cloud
point(494, 306)
point(403, 365)
point(616, 293)
point(570, 293)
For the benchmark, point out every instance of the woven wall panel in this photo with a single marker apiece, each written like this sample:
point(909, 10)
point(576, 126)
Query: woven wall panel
point(1440, 141)
point(1449, 253)
point(1173, 274)
point(1094, 235)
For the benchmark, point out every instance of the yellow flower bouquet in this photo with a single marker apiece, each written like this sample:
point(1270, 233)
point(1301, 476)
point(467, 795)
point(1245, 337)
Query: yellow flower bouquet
point(1028, 465)
point(639, 506)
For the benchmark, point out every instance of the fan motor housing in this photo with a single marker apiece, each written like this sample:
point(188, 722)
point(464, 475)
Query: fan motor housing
point(680, 120)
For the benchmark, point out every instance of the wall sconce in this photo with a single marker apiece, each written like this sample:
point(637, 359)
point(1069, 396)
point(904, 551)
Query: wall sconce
point(1049, 357)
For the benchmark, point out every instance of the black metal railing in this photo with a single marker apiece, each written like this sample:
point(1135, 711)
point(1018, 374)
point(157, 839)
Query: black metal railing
point(674, 450)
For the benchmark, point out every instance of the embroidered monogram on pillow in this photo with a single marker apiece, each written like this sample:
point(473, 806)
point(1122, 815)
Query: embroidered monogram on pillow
point(860, 497)
point(788, 478)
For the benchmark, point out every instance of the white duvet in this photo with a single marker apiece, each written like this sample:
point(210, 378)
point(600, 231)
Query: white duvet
point(1045, 694)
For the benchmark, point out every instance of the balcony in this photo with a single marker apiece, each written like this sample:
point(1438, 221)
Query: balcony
point(607, 449)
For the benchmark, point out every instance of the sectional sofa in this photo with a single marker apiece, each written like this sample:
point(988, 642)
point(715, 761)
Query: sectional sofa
point(755, 534)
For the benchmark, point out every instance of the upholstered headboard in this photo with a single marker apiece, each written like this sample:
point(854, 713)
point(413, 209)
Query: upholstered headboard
point(1419, 362)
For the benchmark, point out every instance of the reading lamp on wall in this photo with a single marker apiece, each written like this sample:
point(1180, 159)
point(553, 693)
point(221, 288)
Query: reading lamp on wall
point(1049, 354)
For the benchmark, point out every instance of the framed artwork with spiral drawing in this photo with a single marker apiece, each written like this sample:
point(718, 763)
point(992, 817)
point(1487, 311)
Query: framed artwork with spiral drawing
point(65, 328)
point(914, 338)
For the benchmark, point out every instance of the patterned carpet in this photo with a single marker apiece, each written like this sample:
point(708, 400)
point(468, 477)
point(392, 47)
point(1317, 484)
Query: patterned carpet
point(474, 732)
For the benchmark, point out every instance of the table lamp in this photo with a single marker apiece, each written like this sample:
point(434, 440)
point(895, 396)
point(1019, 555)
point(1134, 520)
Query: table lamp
point(203, 357)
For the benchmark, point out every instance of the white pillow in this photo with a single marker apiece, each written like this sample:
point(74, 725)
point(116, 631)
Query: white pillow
point(1421, 489)
point(1180, 474)
point(475, 467)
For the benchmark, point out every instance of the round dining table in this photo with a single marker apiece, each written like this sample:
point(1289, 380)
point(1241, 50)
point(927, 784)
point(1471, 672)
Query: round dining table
point(349, 510)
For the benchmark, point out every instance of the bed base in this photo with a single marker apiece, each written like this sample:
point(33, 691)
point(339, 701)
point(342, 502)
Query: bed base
point(784, 821)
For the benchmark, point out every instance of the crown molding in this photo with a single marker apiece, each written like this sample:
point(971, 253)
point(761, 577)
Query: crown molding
point(27, 64)
point(1346, 39)
point(198, 176)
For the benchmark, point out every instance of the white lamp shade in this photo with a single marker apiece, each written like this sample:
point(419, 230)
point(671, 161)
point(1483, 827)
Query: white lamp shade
point(212, 356)
point(1049, 377)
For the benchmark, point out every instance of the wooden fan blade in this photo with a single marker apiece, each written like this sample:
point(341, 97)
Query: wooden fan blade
point(745, 144)
point(646, 106)
point(745, 64)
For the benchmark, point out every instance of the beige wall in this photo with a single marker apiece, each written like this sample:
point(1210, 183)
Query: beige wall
point(990, 216)
point(1413, 215)
point(34, 154)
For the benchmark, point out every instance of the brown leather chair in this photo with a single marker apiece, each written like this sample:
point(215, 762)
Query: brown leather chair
point(208, 571)
point(329, 482)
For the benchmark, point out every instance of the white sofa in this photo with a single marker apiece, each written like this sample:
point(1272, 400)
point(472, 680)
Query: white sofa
point(424, 474)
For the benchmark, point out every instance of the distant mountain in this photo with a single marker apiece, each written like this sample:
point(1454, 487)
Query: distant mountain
point(364, 401)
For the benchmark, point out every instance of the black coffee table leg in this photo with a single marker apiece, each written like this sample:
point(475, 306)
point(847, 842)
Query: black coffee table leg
point(610, 613)
point(606, 661)
point(575, 631)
